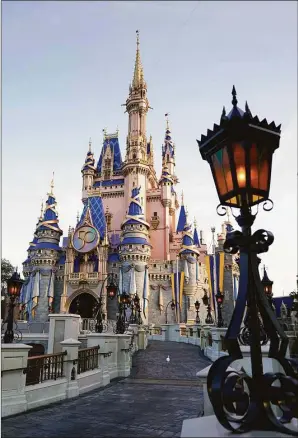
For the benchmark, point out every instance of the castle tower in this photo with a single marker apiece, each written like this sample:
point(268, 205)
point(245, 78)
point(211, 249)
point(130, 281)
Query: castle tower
point(168, 150)
point(166, 185)
point(134, 252)
point(189, 256)
point(231, 272)
point(44, 257)
point(137, 168)
point(88, 171)
point(86, 260)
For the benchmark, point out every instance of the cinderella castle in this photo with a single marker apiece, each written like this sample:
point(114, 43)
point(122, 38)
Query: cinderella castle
point(131, 226)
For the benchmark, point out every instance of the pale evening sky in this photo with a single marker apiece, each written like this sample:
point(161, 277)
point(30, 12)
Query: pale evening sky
point(66, 70)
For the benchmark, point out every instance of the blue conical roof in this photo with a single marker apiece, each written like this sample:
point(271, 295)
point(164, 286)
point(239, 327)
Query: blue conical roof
point(93, 212)
point(113, 142)
point(165, 176)
point(187, 241)
point(135, 211)
point(196, 239)
point(50, 219)
point(182, 219)
point(168, 146)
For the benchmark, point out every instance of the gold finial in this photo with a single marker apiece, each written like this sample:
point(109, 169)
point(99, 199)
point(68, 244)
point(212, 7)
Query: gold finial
point(138, 76)
point(104, 131)
point(78, 217)
point(117, 130)
point(41, 210)
point(52, 184)
point(195, 222)
point(167, 119)
point(182, 198)
point(90, 143)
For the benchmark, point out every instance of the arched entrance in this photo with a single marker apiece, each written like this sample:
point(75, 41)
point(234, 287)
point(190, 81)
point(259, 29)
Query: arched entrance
point(83, 305)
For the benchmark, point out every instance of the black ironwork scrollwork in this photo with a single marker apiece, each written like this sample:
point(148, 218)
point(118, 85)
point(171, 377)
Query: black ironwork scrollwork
point(244, 401)
point(271, 205)
point(17, 335)
point(223, 208)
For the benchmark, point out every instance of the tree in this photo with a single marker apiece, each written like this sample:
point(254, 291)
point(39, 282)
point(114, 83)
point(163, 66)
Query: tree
point(6, 271)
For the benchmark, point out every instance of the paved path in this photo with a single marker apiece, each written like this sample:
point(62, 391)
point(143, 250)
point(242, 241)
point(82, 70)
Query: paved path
point(152, 402)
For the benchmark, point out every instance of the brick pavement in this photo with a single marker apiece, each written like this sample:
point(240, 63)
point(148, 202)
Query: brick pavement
point(127, 407)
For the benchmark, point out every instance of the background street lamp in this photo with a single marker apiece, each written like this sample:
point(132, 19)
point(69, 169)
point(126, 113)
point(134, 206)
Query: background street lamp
point(206, 301)
point(122, 323)
point(112, 289)
point(197, 306)
point(239, 152)
point(14, 286)
point(219, 300)
point(172, 303)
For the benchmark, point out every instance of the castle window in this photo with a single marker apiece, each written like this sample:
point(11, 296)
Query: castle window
point(188, 303)
point(166, 266)
point(155, 214)
point(154, 266)
point(114, 265)
point(143, 246)
point(109, 220)
point(130, 246)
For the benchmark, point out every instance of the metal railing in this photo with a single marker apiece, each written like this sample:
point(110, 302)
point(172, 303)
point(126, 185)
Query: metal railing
point(190, 331)
point(88, 359)
point(44, 367)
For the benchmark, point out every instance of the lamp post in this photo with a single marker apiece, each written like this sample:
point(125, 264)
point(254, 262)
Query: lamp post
point(172, 303)
point(121, 323)
point(112, 289)
point(14, 285)
point(197, 307)
point(206, 301)
point(219, 300)
point(239, 152)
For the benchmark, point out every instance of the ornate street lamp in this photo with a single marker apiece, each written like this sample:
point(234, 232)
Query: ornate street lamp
point(14, 286)
point(219, 300)
point(206, 301)
point(197, 307)
point(112, 289)
point(239, 152)
point(173, 306)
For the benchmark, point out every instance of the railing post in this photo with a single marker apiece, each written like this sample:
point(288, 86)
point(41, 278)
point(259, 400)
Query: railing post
point(142, 339)
point(14, 358)
point(62, 326)
point(123, 356)
point(71, 346)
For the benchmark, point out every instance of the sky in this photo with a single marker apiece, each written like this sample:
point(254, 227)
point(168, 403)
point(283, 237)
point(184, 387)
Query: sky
point(66, 69)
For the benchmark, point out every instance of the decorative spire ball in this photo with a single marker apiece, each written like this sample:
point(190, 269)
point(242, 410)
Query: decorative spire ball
point(182, 198)
point(90, 143)
point(195, 222)
point(167, 119)
point(234, 94)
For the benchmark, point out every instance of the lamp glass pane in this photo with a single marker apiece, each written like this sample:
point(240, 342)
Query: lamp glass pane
point(263, 170)
point(239, 160)
point(217, 161)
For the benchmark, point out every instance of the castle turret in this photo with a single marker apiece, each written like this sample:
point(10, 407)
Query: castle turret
point(168, 150)
point(88, 171)
point(196, 239)
point(182, 217)
point(44, 257)
point(137, 168)
point(189, 255)
point(134, 252)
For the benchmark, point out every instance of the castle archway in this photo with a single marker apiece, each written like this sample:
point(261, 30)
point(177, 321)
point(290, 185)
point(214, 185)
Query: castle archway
point(82, 304)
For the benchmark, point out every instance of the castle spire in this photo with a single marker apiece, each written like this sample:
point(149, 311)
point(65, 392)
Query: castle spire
point(52, 185)
point(138, 76)
point(196, 239)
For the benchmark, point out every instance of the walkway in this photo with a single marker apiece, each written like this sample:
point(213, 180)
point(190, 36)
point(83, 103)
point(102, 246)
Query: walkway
point(152, 402)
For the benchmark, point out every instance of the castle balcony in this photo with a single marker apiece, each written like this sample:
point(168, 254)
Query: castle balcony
point(89, 277)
